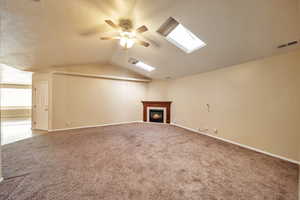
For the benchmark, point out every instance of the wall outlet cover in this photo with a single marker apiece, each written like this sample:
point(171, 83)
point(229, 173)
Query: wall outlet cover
point(215, 131)
point(203, 129)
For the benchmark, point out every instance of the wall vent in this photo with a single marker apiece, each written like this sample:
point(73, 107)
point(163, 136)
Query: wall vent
point(287, 44)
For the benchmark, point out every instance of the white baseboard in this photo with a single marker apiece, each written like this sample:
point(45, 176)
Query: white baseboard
point(92, 126)
point(238, 144)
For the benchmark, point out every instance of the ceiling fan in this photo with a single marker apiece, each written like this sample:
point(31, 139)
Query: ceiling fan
point(127, 35)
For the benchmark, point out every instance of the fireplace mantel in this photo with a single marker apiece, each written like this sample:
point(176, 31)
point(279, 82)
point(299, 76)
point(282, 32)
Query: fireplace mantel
point(164, 104)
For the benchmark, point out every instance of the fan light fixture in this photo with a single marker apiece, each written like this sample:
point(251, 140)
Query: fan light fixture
point(127, 35)
point(127, 39)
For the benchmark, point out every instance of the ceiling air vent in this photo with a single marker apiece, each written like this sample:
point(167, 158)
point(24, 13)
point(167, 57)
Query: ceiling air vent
point(288, 44)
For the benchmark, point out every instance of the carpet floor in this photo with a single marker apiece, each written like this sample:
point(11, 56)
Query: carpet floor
point(141, 161)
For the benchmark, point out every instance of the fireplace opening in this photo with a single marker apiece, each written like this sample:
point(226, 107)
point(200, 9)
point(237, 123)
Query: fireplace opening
point(156, 115)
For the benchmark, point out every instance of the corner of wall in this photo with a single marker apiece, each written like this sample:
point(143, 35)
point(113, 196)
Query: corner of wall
point(157, 90)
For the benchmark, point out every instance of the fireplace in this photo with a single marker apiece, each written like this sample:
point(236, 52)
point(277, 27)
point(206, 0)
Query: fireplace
point(157, 111)
point(156, 115)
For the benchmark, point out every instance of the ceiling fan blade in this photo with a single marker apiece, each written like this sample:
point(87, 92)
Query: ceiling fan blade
point(143, 43)
point(109, 22)
point(110, 38)
point(142, 29)
point(150, 39)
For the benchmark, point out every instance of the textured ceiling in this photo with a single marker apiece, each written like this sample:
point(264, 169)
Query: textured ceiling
point(65, 32)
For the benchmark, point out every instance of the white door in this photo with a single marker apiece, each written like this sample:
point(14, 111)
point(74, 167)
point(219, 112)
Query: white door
point(41, 106)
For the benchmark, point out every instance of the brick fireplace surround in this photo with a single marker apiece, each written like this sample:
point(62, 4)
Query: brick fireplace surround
point(163, 104)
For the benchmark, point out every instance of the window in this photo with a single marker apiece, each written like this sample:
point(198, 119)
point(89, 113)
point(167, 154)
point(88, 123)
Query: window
point(14, 98)
point(180, 36)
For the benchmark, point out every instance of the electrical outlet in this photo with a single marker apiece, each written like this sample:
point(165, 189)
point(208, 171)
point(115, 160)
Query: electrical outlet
point(203, 130)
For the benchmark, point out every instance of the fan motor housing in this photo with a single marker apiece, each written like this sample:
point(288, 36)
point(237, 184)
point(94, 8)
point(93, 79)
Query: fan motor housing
point(126, 24)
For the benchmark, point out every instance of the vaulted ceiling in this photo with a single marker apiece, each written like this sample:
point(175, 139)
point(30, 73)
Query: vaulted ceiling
point(45, 33)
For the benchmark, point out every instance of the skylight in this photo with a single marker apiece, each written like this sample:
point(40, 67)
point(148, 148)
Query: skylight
point(180, 36)
point(144, 66)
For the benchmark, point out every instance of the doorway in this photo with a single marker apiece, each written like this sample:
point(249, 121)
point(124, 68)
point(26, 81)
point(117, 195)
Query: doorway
point(16, 104)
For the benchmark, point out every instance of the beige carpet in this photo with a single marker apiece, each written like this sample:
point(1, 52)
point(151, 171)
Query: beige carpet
point(141, 161)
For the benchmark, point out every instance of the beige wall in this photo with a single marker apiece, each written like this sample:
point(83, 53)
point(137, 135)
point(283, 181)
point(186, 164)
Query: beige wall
point(82, 101)
point(157, 90)
point(77, 101)
point(255, 104)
